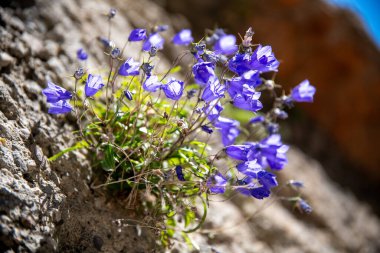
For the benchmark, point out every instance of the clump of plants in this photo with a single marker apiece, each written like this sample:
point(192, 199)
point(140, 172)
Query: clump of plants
point(148, 132)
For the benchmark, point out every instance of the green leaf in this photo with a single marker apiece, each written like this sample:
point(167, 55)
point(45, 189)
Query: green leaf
point(175, 69)
point(203, 216)
point(108, 163)
point(189, 216)
point(170, 232)
point(187, 240)
point(171, 222)
point(76, 146)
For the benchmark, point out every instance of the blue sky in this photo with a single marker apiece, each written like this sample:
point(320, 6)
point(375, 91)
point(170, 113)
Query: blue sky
point(368, 10)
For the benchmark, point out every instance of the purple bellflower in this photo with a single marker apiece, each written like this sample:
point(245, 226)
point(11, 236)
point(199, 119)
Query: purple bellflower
point(81, 54)
point(264, 60)
point(248, 99)
point(191, 93)
point(198, 50)
point(257, 119)
point(229, 130)
point(250, 188)
point(207, 129)
point(183, 37)
point(250, 168)
point(115, 52)
point(154, 40)
point(213, 110)
point(211, 56)
point(267, 179)
point(137, 35)
point(272, 128)
point(295, 184)
point(147, 68)
point(93, 84)
point(240, 63)
point(269, 151)
point(130, 68)
point(304, 206)
point(260, 192)
point(55, 93)
point(203, 71)
point(226, 45)
point(152, 84)
point(304, 92)
point(218, 33)
point(250, 78)
point(217, 183)
point(179, 172)
point(161, 28)
point(78, 73)
point(173, 89)
point(281, 114)
point(238, 152)
point(253, 170)
point(108, 44)
point(60, 107)
point(245, 186)
point(128, 95)
point(213, 90)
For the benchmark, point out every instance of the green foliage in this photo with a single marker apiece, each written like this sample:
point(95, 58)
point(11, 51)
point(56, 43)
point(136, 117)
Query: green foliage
point(79, 145)
point(136, 145)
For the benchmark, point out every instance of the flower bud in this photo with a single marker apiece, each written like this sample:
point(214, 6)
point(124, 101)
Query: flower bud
point(147, 68)
point(112, 13)
point(269, 84)
point(153, 51)
point(128, 95)
point(115, 52)
point(78, 73)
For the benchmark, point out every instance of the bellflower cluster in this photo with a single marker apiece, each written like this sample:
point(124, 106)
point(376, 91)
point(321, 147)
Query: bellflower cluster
point(149, 130)
point(242, 89)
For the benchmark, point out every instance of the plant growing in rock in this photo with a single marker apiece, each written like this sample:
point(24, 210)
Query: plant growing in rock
point(148, 132)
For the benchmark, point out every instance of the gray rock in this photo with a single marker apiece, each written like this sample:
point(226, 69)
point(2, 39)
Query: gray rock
point(35, 44)
point(6, 131)
point(6, 59)
point(56, 65)
point(18, 49)
point(49, 50)
point(7, 105)
point(19, 162)
point(16, 23)
point(6, 159)
point(31, 164)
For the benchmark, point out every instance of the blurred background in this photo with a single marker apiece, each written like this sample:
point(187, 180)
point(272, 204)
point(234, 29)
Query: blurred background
point(335, 44)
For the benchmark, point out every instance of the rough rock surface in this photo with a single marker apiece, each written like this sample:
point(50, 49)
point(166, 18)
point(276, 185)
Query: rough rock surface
point(50, 207)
